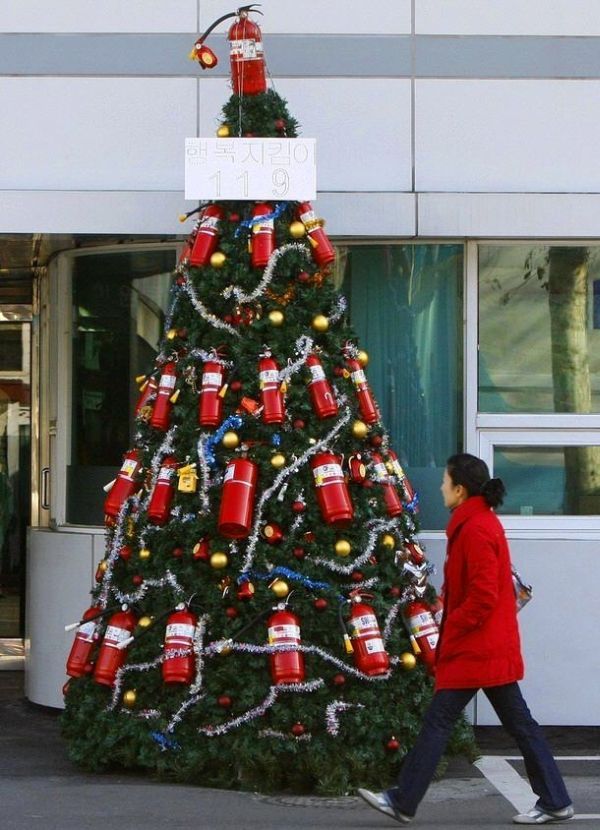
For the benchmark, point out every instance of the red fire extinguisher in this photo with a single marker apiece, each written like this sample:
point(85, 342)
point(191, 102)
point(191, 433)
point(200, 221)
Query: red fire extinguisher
point(423, 631)
point(185, 252)
point(110, 656)
point(401, 476)
point(147, 389)
point(124, 484)
point(207, 236)
point(161, 413)
point(322, 249)
point(210, 406)
point(370, 656)
point(366, 402)
point(247, 56)
point(437, 610)
point(179, 664)
point(270, 390)
point(237, 499)
point(262, 242)
point(87, 629)
point(159, 506)
point(390, 494)
point(319, 388)
point(332, 491)
point(284, 629)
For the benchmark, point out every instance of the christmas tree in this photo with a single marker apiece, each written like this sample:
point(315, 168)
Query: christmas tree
point(263, 593)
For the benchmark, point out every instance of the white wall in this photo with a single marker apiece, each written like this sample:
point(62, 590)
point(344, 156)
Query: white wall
point(94, 16)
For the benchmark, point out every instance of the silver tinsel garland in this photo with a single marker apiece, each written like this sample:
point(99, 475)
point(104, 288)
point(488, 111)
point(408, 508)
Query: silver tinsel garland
point(331, 715)
point(377, 526)
point(268, 274)
point(206, 315)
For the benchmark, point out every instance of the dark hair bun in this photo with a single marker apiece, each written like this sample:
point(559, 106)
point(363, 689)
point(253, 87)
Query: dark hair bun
point(493, 491)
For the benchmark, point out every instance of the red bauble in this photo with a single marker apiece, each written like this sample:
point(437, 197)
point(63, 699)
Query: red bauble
point(338, 371)
point(177, 552)
point(368, 483)
point(65, 688)
point(299, 423)
point(357, 576)
point(309, 536)
point(298, 506)
point(180, 280)
point(225, 701)
point(376, 440)
point(338, 679)
point(303, 276)
point(235, 385)
point(372, 560)
point(228, 319)
point(125, 553)
point(393, 745)
point(298, 729)
point(234, 217)
point(137, 579)
point(231, 612)
point(182, 333)
point(201, 551)
point(320, 604)
point(299, 553)
point(395, 591)
point(280, 124)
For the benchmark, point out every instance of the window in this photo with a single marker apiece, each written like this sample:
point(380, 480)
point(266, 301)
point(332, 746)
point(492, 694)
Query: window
point(406, 307)
point(118, 305)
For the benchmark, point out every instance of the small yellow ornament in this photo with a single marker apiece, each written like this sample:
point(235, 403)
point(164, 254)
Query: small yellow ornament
point(320, 323)
point(278, 460)
point(223, 131)
point(218, 259)
point(280, 588)
point(144, 622)
point(188, 480)
point(231, 440)
point(276, 318)
point(129, 698)
point(219, 560)
point(103, 566)
point(389, 467)
point(297, 230)
point(388, 541)
point(171, 334)
point(360, 429)
point(408, 661)
point(145, 553)
point(343, 547)
point(362, 357)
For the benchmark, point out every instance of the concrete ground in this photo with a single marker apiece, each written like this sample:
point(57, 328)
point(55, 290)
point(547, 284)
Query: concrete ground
point(41, 790)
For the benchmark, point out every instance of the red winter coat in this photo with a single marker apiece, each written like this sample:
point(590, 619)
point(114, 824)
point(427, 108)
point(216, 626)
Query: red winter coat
point(479, 641)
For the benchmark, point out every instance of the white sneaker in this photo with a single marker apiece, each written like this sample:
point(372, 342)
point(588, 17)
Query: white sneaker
point(380, 802)
point(539, 816)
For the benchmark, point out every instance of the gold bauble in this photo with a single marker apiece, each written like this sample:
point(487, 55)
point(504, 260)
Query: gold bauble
point(360, 429)
point(342, 547)
point(278, 460)
point(129, 697)
point(231, 440)
point(362, 357)
point(103, 566)
point(171, 334)
point(388, 541)
point(223, 131)
point(217, 260)
point(145, 553)
point(408, 661)
point(219, 560)
point(276, 318)
point(280, 588)
point(320, 323)
point(297, 230)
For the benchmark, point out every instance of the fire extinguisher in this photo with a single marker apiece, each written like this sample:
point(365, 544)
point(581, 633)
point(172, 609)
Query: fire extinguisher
point(87, 631)
point(147, 389)
point(179, 663)
point(124, 484)
point(319, 388)
point(159, 506)
point(401, 476)
point(322, 249)
point(207, 236)
point(332, 492)
point(237, 499)
point(210, 406)
point(423, 631)
point(262, 242)
point(366, 643)
point(284, 629)
point(437, 610)
point(110, 656)
point(184, 256)
point(270, 390)
point(366, 402)
point(161, 413)
point(390, 494)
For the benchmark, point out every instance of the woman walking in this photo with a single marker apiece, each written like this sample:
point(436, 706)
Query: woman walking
point(479, 648)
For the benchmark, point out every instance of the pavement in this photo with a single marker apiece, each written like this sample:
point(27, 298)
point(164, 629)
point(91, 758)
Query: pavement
point(40, 789)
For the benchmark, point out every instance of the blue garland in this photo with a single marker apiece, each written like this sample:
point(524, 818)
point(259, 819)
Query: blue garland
point(164, 742)
point(232, 422)
point(413, 506)
point(293, 576)
point(247, 223)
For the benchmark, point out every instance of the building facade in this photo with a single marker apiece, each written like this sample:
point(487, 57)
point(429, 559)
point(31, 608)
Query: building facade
point(458, 173)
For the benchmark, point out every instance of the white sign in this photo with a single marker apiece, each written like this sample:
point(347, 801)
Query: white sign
point(250, 168)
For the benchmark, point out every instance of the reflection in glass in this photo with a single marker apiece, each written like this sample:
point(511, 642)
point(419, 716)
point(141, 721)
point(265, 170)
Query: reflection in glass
point(406, 306)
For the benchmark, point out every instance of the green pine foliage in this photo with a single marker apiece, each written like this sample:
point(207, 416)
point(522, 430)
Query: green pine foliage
point(101, 737)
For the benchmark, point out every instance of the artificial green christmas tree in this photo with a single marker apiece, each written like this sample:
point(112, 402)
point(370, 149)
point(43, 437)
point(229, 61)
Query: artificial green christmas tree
point(263, 592)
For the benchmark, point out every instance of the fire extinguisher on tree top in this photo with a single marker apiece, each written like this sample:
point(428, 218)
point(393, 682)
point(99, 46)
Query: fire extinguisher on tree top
point(270, 390)
point(283, 628)
point(423, 631)
point(110, 656)
point(319, 388)
point(178, 651)
point(365, 641)
point(161, 414)
point(124, 484)
point(159, 506)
